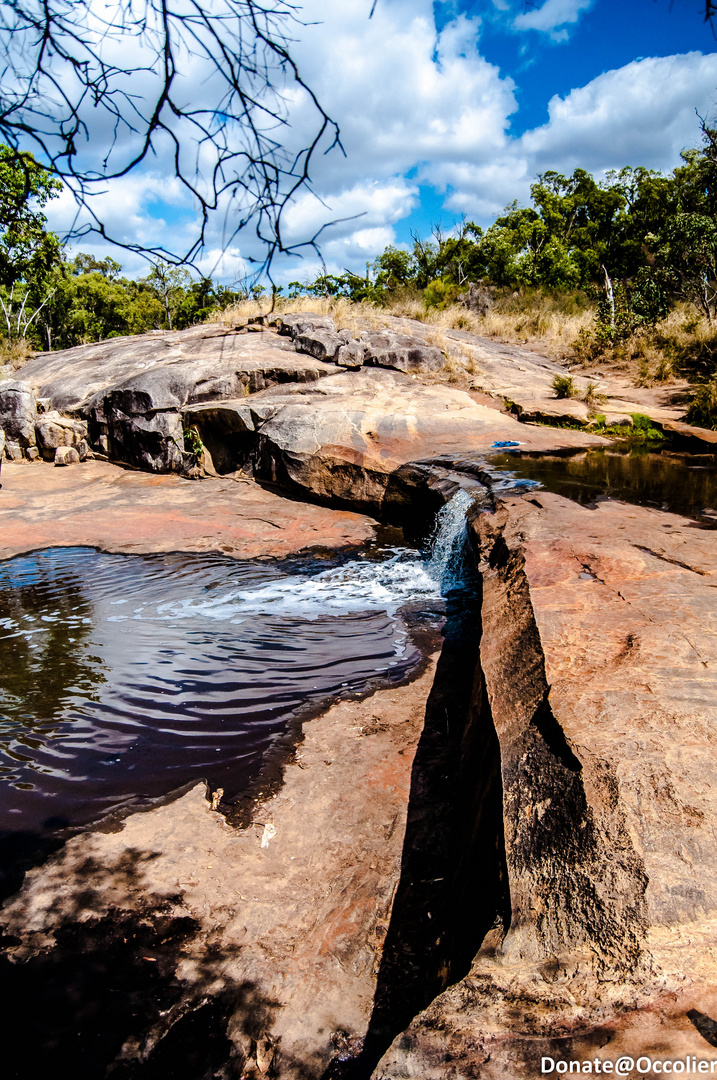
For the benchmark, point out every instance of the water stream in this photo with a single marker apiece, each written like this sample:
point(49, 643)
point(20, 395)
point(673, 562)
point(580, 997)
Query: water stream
point(125, 677)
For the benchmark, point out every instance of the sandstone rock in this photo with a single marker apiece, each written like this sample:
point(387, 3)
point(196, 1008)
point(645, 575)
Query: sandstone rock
point(102, 505)
point(66, 455)
point(318, 342)
point(226, 430)
point(281, 940)
point(597, 681)
point(13, 450)
point(151, 439)
point(350, 355)
point(343, 437)
point(83, 449)
point(53, 430)
point(291, 325)
point(18, 411)
point(203, 363)
point(697, 439)
point(31, 453)
point(385, 348)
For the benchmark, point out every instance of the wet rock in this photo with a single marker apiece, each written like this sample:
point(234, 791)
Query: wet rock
point(123, 510)
point(18, 411)
point(53, 430)
point(281, 938)
point(384, 348)
point(66, 455)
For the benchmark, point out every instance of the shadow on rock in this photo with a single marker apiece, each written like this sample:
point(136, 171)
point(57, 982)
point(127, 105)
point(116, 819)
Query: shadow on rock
point(453, 884)
point(99, 991)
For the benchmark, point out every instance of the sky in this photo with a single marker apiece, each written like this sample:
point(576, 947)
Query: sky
point(447, 111)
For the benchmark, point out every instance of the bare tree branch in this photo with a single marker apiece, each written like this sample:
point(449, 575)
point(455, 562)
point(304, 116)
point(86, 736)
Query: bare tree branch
point(97, 90)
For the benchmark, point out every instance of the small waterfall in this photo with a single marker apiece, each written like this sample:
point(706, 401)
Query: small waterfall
point(447, 562)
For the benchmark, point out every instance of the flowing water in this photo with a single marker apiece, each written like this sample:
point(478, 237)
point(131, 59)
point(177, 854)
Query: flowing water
point(125, 677)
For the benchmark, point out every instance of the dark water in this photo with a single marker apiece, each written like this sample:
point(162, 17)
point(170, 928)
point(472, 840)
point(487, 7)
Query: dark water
point(681, 483)
point(124, 677)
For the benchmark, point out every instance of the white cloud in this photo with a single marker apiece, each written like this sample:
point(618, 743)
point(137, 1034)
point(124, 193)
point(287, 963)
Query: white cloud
point(418, 107)
point(553, 17)
point(640, 114)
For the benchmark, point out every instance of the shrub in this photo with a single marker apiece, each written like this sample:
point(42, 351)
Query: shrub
point(563, 386)
point(703, 409)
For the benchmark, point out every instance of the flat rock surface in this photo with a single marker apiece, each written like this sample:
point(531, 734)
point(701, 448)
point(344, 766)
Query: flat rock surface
point(599, 655)
point(115, 509)
point(342, 437)
point(280, 923)
point(198, 364)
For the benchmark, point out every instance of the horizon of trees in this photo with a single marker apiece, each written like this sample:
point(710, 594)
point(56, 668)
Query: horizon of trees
point(635, 242)
point(638, 240)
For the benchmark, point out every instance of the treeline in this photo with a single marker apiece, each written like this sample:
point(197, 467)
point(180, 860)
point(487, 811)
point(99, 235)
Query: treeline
point(638, 239)
point(52, 301)
point(635, 242)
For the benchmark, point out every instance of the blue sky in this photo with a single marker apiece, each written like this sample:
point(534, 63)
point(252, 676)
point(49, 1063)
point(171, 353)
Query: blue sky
point(449, 110)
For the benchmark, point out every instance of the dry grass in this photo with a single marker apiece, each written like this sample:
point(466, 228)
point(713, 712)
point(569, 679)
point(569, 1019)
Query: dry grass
point(539, 324)
point(682, 344)
point(13, 355)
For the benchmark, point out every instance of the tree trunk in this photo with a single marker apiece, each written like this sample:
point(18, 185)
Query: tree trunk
point(610, 296)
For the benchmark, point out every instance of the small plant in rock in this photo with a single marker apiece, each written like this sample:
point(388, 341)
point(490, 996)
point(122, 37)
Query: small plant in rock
point(643, 427)
point(563, 386)
point(193, 441)
point(592, 397)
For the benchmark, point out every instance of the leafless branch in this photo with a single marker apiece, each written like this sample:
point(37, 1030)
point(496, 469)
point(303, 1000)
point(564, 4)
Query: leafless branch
point(96, 91)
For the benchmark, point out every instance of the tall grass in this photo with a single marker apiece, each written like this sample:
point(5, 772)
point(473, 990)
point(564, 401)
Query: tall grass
point(535, 320)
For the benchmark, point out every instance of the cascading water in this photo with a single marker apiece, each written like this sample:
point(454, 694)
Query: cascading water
point(122, 678)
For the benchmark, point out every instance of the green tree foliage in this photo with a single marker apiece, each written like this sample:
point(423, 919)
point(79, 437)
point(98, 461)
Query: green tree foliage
point(636, 241)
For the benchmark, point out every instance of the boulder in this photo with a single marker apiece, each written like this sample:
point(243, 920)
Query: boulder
point(384, 348)
point(18, 411)
point(66, 455)
point(296, 323)
point(13, 450)
point(319, 342)
point(350, 355)
point(53, 430)
point(477, 298)
point(148, 438)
